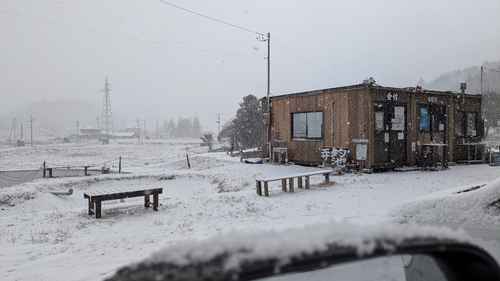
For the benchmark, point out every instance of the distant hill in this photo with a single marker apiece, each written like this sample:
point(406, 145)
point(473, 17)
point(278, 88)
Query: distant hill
point(471, 76)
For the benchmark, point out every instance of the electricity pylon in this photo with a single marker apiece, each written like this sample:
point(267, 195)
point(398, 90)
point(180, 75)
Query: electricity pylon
point(107, 115)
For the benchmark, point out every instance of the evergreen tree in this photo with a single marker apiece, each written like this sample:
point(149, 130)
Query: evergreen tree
point(228, 135)
point(171, 129)
point(184, 127)
point(196, 128)
point(164, 129)
point(491, 112)
point(248, 123)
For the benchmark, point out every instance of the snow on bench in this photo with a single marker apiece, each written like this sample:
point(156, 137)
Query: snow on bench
point(290, 179)
point(95, 197)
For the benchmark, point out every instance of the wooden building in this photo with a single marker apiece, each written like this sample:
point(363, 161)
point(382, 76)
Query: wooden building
point(381, 127)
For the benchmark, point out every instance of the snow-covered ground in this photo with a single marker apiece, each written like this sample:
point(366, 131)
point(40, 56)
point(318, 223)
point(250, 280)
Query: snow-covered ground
point(49, 237)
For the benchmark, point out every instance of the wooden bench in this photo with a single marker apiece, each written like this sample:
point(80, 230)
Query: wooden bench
point(95, 197)
point(290, 179)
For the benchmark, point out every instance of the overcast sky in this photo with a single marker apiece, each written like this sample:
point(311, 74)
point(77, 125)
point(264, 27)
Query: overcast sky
point(165, 62)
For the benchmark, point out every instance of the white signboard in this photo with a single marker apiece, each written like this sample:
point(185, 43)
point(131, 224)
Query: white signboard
point(361, 150)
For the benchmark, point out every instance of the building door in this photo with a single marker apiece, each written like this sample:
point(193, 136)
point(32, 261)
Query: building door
point(390, 134)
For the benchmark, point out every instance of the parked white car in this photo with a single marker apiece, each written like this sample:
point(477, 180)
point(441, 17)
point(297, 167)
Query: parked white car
point(475, 205)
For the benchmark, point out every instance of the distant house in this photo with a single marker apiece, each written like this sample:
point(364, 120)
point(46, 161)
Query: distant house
point(124, 135)
point(90, 133)
point(383, 127)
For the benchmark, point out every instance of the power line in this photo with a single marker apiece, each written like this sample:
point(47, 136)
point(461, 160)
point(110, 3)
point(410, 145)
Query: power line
point(131, 38)
point(491, 69)
point(304, 60)
point(246, 29)
point(210, 18)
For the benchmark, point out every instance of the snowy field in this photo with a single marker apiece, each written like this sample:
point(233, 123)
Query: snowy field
point(49, 237)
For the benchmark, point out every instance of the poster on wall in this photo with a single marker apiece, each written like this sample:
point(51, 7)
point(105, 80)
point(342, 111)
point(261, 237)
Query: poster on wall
point(379, 120)
point(398, 123)
point(471, 124)
point(424, 119)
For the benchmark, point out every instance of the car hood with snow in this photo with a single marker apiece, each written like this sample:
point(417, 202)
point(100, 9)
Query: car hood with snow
point(248, 255)
point(473, 205)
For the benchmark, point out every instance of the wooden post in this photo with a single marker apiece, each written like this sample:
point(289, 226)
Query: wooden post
point(98, 209)
point(146, 200)
point(91, 207)
point(266, 190)
point(120, 165)
point(290, 181)
point(85, 170)
point(155, 201)
point(307, 182)
point(259, 188)
point(327, 177)
point(283, 184)
point(187, 157)
point(299, 182)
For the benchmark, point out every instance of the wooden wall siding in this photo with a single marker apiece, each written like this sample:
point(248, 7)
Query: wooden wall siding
point(352, 111)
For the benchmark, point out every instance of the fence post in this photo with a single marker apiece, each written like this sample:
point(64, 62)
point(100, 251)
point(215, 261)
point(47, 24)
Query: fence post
point(187, 157)
point(120, 165)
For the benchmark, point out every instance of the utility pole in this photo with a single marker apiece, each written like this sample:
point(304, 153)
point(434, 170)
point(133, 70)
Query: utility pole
point(156, 128)
point(77, 121)
point(145, 129)
point(268, 127)
point(21, 132)
point(138, 131)
point(218, 124)
point(31, 121)
point(97, 124)
point(481, 91)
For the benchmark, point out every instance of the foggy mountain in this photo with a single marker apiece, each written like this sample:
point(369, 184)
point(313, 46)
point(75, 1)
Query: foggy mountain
point(56, 118)
point(450, 81)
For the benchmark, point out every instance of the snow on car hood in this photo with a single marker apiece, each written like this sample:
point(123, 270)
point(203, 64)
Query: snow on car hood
point(469, 206)
point(240, 247)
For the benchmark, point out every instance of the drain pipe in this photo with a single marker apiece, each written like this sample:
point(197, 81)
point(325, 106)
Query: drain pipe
point(70, 191)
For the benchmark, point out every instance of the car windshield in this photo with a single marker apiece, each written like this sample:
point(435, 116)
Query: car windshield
point(127, 127)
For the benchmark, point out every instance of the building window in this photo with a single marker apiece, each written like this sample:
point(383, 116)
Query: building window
point(307, 125)
point(432, 118)
point(424, 118)
point(466, 124)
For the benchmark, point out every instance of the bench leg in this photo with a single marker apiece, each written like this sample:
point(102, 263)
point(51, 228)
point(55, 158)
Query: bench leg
point(259, 188)
point(266, 190)
point(307, 182)
point(155, 202)
point(283, 184)
point(98, 209)
point(91, 207)
point(299, 182)
point(290, 181)
point(146, 201)
point(327, 177)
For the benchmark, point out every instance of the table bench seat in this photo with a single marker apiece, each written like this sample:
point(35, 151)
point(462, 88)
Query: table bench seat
point(290, 179)
point(95, 197)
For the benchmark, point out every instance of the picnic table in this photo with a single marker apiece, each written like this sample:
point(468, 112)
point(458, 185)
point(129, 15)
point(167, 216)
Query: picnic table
point(290, 180)
point(95, 197)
